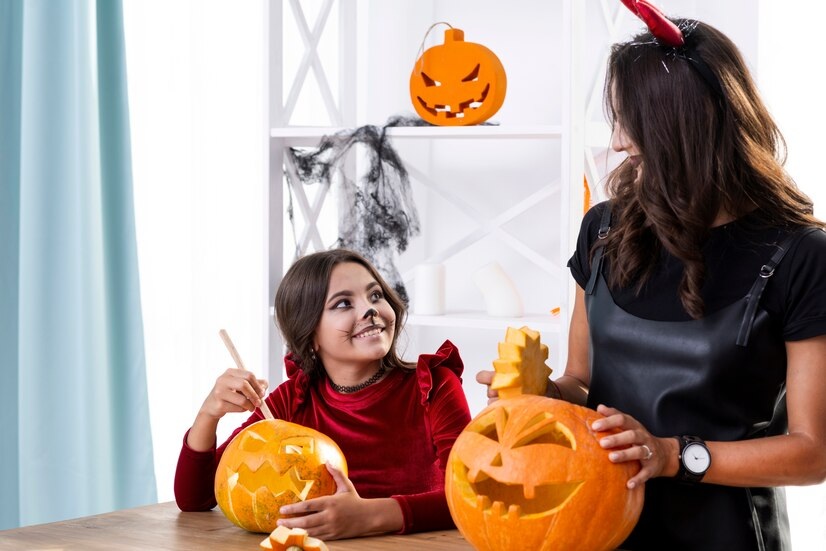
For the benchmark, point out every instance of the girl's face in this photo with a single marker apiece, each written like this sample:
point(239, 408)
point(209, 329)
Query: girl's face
point(347, 333)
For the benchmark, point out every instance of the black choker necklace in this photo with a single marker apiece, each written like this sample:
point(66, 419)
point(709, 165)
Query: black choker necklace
point(355, 388)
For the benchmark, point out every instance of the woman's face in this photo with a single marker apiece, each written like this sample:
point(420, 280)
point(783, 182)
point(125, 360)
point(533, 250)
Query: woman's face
point(620, 141)
point(347, 334)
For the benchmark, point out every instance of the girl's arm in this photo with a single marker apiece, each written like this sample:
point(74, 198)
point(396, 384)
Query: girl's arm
point(449, 415)
point(347, 515)
point(235, 390)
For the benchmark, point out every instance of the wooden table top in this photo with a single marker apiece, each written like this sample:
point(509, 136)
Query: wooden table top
point(163, 526)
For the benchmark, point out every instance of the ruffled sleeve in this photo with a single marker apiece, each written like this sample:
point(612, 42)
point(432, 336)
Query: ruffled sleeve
point(448, 357)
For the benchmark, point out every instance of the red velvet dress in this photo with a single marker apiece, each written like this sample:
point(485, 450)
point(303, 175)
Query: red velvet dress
point(396, 436)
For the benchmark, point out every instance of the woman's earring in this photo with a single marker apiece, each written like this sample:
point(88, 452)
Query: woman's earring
point(313, 357)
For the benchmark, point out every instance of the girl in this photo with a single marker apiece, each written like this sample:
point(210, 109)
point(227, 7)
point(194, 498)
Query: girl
point(395, 421)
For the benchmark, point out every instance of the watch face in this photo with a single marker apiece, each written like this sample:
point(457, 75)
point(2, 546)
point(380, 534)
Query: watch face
point(696, 458)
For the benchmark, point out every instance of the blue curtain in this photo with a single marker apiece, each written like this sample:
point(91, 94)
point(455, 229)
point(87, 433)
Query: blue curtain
point(73, 396)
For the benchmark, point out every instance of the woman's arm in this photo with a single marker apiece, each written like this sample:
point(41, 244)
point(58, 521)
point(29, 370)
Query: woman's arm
point(796, 458)
point(573, 384)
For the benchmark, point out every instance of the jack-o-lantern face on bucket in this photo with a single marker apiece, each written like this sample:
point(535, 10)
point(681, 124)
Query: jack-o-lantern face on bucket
point(457, 83)
point(273, 463)
point(528, 473)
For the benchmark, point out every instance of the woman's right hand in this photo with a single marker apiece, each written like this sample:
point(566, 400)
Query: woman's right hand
point(234, 391)
point(486, 378)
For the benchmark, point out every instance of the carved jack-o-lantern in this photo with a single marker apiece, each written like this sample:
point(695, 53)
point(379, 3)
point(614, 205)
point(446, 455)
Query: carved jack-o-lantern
point(273, 463)
point(457, 83)
point(528, 471)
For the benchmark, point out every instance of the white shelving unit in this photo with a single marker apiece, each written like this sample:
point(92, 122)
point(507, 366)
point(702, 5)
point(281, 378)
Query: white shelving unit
point(510, 193)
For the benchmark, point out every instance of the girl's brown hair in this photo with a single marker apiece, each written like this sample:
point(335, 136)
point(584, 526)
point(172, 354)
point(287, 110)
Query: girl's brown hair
point(701, 152)
point(300, 299)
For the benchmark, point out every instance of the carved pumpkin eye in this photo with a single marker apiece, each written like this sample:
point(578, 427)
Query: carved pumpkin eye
point(429, 81)
point(473, 76)
point(269, 464)
point(458, 82)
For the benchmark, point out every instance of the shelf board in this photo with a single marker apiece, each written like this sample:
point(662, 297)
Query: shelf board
point(545, 324)
point(301, 133)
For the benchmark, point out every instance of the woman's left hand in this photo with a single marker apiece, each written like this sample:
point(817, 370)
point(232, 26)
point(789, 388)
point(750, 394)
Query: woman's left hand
point(633, 443)
point(344, 514)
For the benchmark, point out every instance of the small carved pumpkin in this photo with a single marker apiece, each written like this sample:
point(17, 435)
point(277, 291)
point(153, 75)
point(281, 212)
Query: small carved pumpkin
point(273, 463)
point(457, 83)
point(528, 473)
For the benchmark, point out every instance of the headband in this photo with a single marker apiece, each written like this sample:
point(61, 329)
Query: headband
point(670, 35)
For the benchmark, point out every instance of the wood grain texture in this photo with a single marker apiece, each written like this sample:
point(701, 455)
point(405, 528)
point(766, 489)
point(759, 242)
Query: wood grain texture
point(164, 526)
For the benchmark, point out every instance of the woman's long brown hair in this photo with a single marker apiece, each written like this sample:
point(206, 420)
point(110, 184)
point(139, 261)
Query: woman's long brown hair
point(701, 153)
point(300, 299)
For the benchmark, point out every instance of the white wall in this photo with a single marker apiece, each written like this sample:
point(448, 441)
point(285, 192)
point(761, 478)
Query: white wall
point(196, 75)
point(790, 42)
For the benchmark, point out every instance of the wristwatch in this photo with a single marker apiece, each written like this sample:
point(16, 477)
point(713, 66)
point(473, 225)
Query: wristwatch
point(695, 459)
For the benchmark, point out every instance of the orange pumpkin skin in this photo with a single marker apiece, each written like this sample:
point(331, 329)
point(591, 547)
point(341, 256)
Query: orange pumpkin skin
point(465, 76)
point(528, 473)
point(273, 463)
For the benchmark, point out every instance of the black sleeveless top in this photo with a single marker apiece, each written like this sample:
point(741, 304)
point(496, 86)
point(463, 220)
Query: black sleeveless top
point(720, 377)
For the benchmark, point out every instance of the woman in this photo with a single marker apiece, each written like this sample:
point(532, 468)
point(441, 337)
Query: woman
point(394, 421)
point(699, 324)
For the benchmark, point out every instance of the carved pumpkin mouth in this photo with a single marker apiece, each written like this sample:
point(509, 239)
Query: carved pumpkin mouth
point(448, 110)
point(515, 500)
point(271, 480)
point(494, 449)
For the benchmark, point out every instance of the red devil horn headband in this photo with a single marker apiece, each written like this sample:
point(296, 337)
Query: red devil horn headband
point(660, 26)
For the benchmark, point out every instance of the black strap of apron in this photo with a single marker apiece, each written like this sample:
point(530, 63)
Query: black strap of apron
point(756, 291)
point(596, 262)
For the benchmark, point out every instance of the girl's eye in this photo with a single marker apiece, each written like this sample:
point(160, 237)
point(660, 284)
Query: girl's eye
point(376, 295)
point(343, 303)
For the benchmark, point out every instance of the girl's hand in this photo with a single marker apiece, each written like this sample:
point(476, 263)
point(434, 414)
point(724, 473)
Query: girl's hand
point(486, 378)
point(235, 390)
point(633, 443)
point(344, 514)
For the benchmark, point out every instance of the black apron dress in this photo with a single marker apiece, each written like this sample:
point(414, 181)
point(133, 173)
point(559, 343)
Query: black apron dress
point(722, 378)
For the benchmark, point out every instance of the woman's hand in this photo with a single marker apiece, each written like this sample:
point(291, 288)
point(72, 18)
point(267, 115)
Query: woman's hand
point(486, 378)
point(235, 390)
point(635, 443)
point(344, 514)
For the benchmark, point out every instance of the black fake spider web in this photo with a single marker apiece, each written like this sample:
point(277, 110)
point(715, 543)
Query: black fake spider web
point(377, 216)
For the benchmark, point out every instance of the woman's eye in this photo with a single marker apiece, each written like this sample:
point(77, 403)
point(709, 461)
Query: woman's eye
point(343, 303)
point(376, 295)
